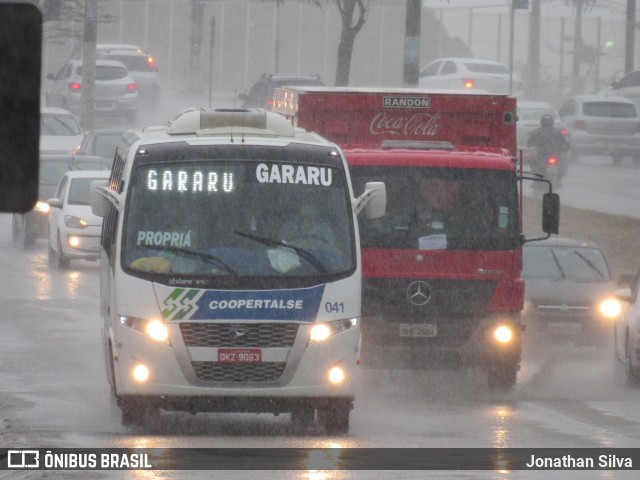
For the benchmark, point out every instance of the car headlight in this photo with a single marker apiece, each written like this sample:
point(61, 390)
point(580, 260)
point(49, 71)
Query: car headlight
point(42, 207)
point(75, 222)
point(154, 329)
point(610, 308)
point(322, 331)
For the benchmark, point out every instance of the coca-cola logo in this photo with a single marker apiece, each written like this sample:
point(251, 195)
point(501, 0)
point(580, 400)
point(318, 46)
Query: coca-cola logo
point(419, 124)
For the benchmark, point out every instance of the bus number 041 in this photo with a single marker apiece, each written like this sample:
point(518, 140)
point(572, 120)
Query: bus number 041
point(337, 307)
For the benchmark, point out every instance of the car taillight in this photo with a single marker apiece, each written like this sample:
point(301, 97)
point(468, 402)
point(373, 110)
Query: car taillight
point(131, 87)
point(563, 131)
point(270, 102)
point(151, 61)
point(469, 83)
point(552, 160)
point(74, 86)
point(580, 125)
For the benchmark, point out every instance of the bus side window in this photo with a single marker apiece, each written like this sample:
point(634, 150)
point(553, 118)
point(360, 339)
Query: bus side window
point(108, 239)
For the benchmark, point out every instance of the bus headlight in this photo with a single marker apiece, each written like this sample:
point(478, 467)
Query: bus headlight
point(321, 331)
point(503, 334)
point(610, 308)
point(154, 329)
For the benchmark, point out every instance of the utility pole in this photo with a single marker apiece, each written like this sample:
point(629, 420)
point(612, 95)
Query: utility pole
point(412, 43)
point(630, 36)
point(534, 51)
point(195, 50)
point(87, 90)
point(576, 81)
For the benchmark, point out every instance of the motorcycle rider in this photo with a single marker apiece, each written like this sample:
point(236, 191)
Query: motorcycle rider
point(548, 141)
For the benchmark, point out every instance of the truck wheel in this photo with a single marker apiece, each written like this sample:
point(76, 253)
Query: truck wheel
point(334, 417)
point(502, 376)
point(303, 417)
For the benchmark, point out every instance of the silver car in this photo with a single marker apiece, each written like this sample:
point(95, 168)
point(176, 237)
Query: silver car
point(602, 125)
point(116, 92)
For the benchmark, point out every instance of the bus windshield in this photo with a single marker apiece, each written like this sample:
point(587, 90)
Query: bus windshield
point(239, 218)
point(442, 208)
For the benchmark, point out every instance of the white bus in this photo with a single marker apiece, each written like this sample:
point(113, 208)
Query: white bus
point(230, 269)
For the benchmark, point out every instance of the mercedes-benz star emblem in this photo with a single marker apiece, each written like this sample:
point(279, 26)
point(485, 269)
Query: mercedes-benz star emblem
point(419, 293)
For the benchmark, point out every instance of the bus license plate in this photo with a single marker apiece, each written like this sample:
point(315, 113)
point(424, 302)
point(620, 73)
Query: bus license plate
point(239, 355)
point(418, 330)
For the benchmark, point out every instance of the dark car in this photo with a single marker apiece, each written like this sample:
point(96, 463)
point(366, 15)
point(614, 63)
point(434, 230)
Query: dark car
point(32, 225)
point(261, 94)
point(101, 142)
point(569, 291)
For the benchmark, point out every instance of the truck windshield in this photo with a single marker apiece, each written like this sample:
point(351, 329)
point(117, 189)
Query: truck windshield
point(238, 219)
point(442, 208)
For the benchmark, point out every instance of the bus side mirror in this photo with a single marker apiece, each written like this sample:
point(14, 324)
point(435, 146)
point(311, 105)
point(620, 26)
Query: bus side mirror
point(550, 213)
point(373, 200)
point(99, 202)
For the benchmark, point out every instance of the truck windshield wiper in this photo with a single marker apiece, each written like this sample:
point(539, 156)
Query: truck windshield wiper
point(196, 254)
point(310, 257)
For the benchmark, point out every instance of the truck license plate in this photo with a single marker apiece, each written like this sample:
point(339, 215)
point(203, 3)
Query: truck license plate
point(418, 330)
point(239, 355)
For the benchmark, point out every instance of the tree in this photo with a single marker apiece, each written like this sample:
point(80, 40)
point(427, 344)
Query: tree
point(350, 10)
point(354, 15)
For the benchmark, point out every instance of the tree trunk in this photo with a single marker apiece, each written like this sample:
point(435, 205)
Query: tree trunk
point(348, 36)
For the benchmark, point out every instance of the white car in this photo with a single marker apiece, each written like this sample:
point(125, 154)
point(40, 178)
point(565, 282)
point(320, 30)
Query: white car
point(627, 332)
point(60, 131)
point(469, 74)
point(116, 92)
point(74, 231)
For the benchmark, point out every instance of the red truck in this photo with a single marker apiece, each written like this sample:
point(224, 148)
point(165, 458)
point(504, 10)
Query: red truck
point(441, 269)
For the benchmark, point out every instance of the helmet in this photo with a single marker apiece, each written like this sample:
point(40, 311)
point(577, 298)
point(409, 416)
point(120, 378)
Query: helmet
point(546, 121)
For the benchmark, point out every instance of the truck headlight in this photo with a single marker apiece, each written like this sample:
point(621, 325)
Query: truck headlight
point(503, 334)
point(154, 329)
point(610, 308)
point(321, 331)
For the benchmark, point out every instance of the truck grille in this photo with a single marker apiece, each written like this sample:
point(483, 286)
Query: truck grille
point(260, 335)
point(216, 372)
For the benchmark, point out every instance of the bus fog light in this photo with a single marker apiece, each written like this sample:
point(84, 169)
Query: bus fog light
point(73, 241)
point(610, 308)
point(503, 334)
point(140, 373)
point(336, 375)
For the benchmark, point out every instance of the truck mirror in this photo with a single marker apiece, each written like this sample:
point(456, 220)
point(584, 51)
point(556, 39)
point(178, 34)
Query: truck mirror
point(377, 201)
point(20, 52)
point(550, 213)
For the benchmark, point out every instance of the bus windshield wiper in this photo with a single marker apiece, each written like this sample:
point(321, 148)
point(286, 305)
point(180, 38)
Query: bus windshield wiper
point(194, 253)
point(310, 257)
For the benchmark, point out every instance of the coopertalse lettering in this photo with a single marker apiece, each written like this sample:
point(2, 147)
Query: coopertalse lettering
point(417, 125)
point(299, 174)
point(256, 304)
